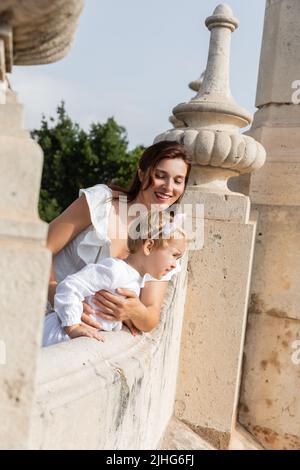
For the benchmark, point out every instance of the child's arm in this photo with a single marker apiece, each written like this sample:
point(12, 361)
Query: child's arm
point(144, 313)
point(75, 331)
point(74, 288)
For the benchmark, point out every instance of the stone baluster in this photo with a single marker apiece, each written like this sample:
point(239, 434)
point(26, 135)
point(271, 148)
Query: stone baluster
point(195, 85)
point(270, 403)
point(219, 273)
point(24, 262)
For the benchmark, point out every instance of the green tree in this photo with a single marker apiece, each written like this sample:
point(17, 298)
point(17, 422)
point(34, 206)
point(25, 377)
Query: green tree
point(75, 159)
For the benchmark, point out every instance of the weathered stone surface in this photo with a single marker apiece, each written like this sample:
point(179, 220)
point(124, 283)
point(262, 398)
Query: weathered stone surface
point(240, 439)
point(270, 405)
point(279, 61)
point(42, 29)
point(221, 149)
point(269, 402)
point(24, 274)
point(211, 120)
point(214, 326)
point(31, 32)
point(275, 283)
point(113, 395)
point(179, 436)
point(278, 182)
point(219, 279)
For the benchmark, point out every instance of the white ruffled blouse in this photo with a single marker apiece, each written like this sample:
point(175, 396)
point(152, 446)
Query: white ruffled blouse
point(92, 244)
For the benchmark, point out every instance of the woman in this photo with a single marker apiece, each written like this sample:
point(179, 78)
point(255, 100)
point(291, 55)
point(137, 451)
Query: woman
point(84, 233)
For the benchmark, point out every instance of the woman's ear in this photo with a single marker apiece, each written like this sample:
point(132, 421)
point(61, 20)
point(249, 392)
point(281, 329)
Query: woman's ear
point(147, 246)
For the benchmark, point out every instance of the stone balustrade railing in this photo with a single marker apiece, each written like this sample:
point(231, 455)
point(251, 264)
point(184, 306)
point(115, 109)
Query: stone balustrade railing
point(113, 395)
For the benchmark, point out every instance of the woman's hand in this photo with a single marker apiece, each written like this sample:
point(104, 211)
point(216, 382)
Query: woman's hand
point(143, 314)
point(86, 316)
point(126, 308)
point(90, 322)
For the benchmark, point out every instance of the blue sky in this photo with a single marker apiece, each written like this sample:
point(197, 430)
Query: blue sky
point(133, 60)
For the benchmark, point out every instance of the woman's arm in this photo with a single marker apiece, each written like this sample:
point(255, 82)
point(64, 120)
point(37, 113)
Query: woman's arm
point(67, 225)
point(52, 284)
point(63, 229)
point(144, 312)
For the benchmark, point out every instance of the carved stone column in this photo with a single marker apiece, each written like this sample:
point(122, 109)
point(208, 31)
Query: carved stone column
point(270, 403)
point(24, 272)
point(219, 273)
point(35, 31)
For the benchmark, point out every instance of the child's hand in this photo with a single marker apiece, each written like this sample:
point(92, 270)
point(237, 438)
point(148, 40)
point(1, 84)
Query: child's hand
point(81, 329)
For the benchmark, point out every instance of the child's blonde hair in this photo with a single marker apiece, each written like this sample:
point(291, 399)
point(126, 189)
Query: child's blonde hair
point(159, 226)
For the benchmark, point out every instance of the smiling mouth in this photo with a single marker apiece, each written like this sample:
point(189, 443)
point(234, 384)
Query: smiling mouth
point(162, 196)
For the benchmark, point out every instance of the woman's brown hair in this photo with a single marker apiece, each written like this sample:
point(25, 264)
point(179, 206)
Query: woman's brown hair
point(148, 162)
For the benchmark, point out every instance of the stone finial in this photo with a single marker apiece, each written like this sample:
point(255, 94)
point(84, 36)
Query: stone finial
point(222, 16)
point(195, 85)
point(212, 119)
point(175, 122)
point(42, 29)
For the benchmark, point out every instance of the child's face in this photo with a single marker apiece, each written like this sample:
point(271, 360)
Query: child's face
point(162, 260)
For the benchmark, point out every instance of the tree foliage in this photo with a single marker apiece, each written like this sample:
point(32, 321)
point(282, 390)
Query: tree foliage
point(74, 159)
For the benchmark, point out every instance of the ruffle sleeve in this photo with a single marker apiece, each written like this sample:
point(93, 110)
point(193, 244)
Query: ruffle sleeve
point(99, 200)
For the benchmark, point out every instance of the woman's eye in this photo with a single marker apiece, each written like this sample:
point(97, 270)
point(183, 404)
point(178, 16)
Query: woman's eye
point(179, 181)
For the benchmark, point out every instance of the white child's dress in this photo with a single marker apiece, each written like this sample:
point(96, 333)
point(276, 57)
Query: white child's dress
point(109, 274)
point(91, 246)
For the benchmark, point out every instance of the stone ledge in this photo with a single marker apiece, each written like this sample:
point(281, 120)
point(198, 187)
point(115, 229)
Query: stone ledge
point(113, 395)
point(240, 439)
point(179, 436)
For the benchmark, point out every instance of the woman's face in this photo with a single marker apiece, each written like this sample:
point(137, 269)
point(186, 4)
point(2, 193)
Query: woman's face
point(168, 183)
